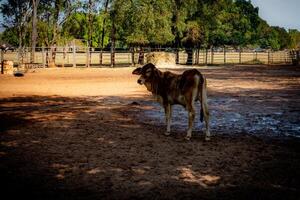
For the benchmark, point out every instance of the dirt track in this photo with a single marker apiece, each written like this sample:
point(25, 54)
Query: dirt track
point(76, 134)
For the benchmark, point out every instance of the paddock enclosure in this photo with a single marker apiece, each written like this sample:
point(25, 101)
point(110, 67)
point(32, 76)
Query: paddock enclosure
point(94, 133)
point(82, 56)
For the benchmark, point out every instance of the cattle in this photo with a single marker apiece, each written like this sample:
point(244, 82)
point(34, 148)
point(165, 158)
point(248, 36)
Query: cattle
point(184, 89)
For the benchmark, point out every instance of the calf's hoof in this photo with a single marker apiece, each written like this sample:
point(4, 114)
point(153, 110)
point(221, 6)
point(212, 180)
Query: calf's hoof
point(167, 133)
point(207, 138)
point(188, 138)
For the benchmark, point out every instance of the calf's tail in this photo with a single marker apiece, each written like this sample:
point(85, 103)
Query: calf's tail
point(204, 112)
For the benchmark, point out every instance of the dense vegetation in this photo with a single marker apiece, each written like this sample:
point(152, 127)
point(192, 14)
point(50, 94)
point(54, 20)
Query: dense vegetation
point(141, 23)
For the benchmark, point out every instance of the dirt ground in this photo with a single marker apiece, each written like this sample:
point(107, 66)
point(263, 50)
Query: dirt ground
point(97, 134)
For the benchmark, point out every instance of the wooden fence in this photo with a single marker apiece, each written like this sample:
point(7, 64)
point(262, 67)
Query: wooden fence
point(79, 57)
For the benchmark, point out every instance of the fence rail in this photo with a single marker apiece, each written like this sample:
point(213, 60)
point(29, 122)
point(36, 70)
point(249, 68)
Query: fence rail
point(83, 57)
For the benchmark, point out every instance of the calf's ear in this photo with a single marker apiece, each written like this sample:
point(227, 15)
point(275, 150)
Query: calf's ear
point(137, 71)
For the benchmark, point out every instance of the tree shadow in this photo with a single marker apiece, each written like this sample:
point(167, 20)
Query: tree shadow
point(96, 148)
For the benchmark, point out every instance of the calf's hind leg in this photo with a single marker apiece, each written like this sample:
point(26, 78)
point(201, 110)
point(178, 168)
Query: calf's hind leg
point(191, 113)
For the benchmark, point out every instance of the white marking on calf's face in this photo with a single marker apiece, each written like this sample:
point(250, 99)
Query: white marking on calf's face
point(144, 76)
point(141, 80)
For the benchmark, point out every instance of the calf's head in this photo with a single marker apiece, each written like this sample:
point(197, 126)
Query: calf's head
point(146, 73)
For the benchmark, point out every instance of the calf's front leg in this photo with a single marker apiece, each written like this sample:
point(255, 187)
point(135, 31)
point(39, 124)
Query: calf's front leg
point(168, 115)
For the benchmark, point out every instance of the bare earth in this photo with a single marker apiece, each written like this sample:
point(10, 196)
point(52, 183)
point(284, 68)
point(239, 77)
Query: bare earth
point(97, 134)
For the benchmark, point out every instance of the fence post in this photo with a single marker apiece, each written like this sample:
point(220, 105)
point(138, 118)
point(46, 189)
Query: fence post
point(18, 57)
point(240, 55)
point(272, 57)
point(1, 55)
point(224, 55)
point(132, 57)
point(100, 57)
point(206, 53)
point(43, 57)
point(212, 56)
point(1, 63)
point(285, 57)
point(87, 57)
point(194, 57)
point(74, 54)
point(112, 56)
point(197, 58)
point(63, 59)
point(177, 57)
point(141, 56)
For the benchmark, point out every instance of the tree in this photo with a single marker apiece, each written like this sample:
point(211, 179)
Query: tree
point(295, 39)
point(273, 39)
point(235, 25)
point(284, 39)
point(35, 4)
point(268, 37)
point(193, 38)
point(104, 27)
point(16, 14)
point(141, 23)
point(90, 17)
point(182, 10)
point(10, 36)
point(75, 26)
point(54, 13)
point(104, 20)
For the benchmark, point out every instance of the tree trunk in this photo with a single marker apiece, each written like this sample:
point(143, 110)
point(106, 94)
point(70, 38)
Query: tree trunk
point(89, 43)
point(190, 57)
point(112, 50)
point(51, 57)
point(132, 57)
point(51, 62)
point(177, 56)
point(103, 31)
point(141, 56)
point(113, 39)
point(35, 4)
point(20, 51)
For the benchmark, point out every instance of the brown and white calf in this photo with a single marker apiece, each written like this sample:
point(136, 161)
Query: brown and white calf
point(170, 89)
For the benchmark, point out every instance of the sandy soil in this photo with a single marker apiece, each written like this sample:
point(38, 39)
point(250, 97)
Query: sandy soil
point(96, 134)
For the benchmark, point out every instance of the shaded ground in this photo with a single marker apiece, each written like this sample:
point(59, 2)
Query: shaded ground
point(75, 134)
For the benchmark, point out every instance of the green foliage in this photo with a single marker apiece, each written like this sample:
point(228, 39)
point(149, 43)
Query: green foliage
point(16, 17)
point(76, 26)
point(194, 35)
point(272, 37)
point(182, 11)
point(142, 23)
point(235, 23)
point(294, 39)
point(10, 36)
point(283, 37)
point(175, 23)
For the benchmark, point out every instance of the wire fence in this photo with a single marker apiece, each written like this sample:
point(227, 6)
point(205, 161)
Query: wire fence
point(76, 57)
